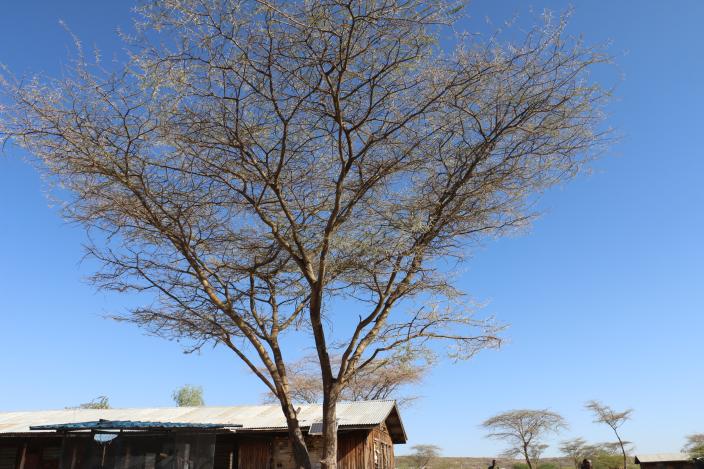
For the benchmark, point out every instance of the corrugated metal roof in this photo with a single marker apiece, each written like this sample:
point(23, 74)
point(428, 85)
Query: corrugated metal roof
point(662, 457)
point(256, 417)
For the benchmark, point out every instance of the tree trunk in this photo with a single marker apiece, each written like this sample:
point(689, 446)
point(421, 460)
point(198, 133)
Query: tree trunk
point(329, 457)
point(623, 450)
point(331, 387)
point(625, 458)
point(295, 436)
point(527, 457)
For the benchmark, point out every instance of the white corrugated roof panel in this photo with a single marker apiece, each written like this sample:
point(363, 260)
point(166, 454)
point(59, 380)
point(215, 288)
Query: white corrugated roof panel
point(349, 414)
point(662, 457)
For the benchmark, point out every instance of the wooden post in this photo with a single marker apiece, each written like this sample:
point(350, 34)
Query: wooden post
point(23, 458)
point(74, 456)
point(127, 457)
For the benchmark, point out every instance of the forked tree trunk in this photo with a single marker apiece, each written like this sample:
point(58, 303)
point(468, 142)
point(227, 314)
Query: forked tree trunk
point(329, 456)
point(295, 435)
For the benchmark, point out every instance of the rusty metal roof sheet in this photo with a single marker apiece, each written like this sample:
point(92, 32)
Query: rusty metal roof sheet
point(256, 417)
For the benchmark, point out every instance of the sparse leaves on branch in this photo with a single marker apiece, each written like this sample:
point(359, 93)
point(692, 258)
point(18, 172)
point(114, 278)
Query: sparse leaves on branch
point(384, 379)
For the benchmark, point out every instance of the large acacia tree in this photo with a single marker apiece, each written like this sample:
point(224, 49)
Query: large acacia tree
point(264, 169)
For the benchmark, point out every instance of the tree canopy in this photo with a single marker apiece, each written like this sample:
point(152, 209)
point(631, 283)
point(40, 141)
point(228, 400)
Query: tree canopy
point(613, 419)
point(523, 431)
point(576, 449)
point(695, 445)
point(263, 169)
point(390, 379)
point(423, 454)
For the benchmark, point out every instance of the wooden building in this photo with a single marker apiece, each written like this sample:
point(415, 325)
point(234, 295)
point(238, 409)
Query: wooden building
point(242, 437)
point(665, 461)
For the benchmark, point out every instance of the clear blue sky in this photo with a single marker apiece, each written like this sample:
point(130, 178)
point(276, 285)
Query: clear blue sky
point(604, 295)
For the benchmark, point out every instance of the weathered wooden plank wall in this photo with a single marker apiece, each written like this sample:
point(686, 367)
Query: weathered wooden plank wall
point(380, 449)
point(225, 456)
point(352, 451)
point(255, 453)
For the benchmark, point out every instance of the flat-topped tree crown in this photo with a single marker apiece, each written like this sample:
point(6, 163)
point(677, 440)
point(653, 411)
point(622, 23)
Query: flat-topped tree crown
point(523, 431)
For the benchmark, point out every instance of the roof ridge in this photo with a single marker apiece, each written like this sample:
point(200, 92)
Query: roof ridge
point(76, 409)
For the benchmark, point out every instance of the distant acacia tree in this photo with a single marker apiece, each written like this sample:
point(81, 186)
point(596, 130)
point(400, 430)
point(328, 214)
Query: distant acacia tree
point(614, 419)
point(536, 451)
point(423, 455)
point(100, 402)
point(575, 449)
point(188, 396)
point(695, 445)
point(523, 431)
point(606, 455)
point(602, 455)
point(257, 163)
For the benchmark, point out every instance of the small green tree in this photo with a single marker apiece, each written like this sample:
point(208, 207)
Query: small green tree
point(188, 396)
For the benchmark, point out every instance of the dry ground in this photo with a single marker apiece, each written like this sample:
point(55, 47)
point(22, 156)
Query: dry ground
point(404, 462)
